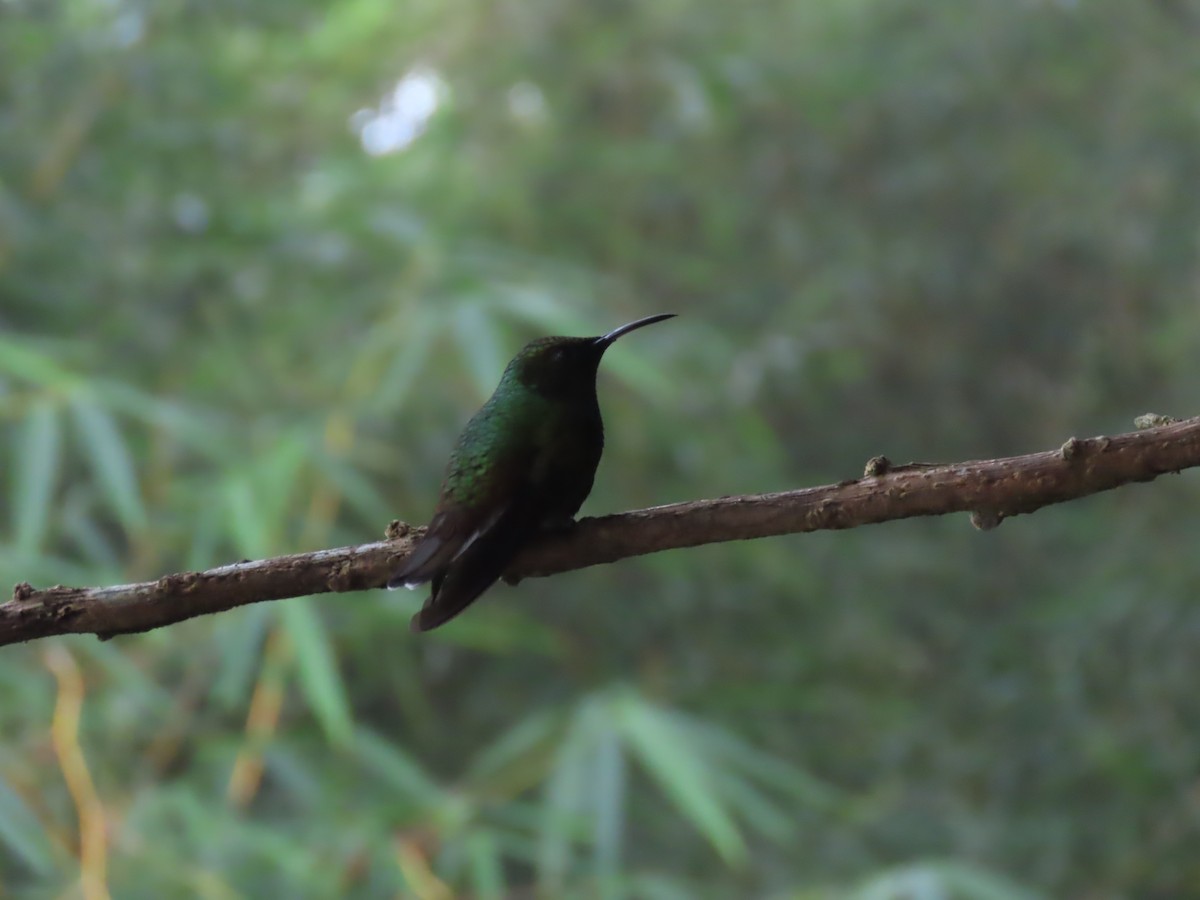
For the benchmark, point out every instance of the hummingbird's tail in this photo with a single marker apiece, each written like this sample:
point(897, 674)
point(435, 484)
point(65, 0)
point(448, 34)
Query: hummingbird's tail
point(437, 550)
point(421, 566)
point(476, 567)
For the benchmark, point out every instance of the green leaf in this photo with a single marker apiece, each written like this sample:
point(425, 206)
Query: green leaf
point(608, 806)
point(111, 462)
point(23, 834)
point(398, 771)
point(317, 669)
point(20, 360)
point(562, 809)
point(756, 809)
point(737, 754)
point(502, 630)
point(185, 424)
point(206, 532)
point(544, 310)
point(93, 540)
point(136, 685)
point(417, 334)
point(241, 634)
point(642, 370)
point(486, 866)
point(658, 887)
point(356, 489)
point(936, 880)
point(246, 521)
point(528, 739)
point(276, 477)
point(676, 763)
point(35, 473)
point(475, 331)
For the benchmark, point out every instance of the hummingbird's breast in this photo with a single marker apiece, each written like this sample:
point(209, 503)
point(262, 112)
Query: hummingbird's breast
point(570, 450)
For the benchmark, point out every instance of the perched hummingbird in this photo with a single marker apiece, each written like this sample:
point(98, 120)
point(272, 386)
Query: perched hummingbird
point(524, 464)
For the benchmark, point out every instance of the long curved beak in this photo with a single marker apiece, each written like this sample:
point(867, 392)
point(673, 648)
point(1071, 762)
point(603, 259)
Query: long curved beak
point(605, 340)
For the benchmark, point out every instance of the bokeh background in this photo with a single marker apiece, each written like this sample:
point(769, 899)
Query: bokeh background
point(259, 261)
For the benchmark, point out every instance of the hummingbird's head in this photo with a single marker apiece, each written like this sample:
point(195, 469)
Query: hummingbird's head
point(565, 366)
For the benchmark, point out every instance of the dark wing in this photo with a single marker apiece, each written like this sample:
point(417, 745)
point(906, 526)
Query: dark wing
point(479, 563)
point(486, 513)
point(449, 534)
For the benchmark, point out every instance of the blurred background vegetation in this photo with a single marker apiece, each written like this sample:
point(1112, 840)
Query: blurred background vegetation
point(259, 262)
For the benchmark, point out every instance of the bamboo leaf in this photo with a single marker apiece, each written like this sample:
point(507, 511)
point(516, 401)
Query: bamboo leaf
point(658, 887)
point(486, 866)
point(397, 769)
point(475, 331)
point(396, 382)
point(201, 432)
point(737, 754)
point(241, 636)
point(356, 489)
point(35, 474)
point(277, 475)
point(92, 540)
point(22, 361)
point(756, 809)
point(527, 739)
point(111, 462)
point(564, 794)
point(23, 834)
point(675, 763)
point(936, 880)
point(247, 520)
point(317, 669)
point(608, 806)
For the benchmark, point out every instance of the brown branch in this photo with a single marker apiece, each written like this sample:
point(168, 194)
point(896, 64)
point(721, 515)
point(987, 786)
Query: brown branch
point(991, 490)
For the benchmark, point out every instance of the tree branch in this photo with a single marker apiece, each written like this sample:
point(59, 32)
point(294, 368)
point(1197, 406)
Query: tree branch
point(991, 490)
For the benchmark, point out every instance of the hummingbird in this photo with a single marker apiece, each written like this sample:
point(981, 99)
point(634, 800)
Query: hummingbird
point(523, 465)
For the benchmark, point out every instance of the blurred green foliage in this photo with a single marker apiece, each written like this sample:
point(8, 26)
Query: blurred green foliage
point(259, 262)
